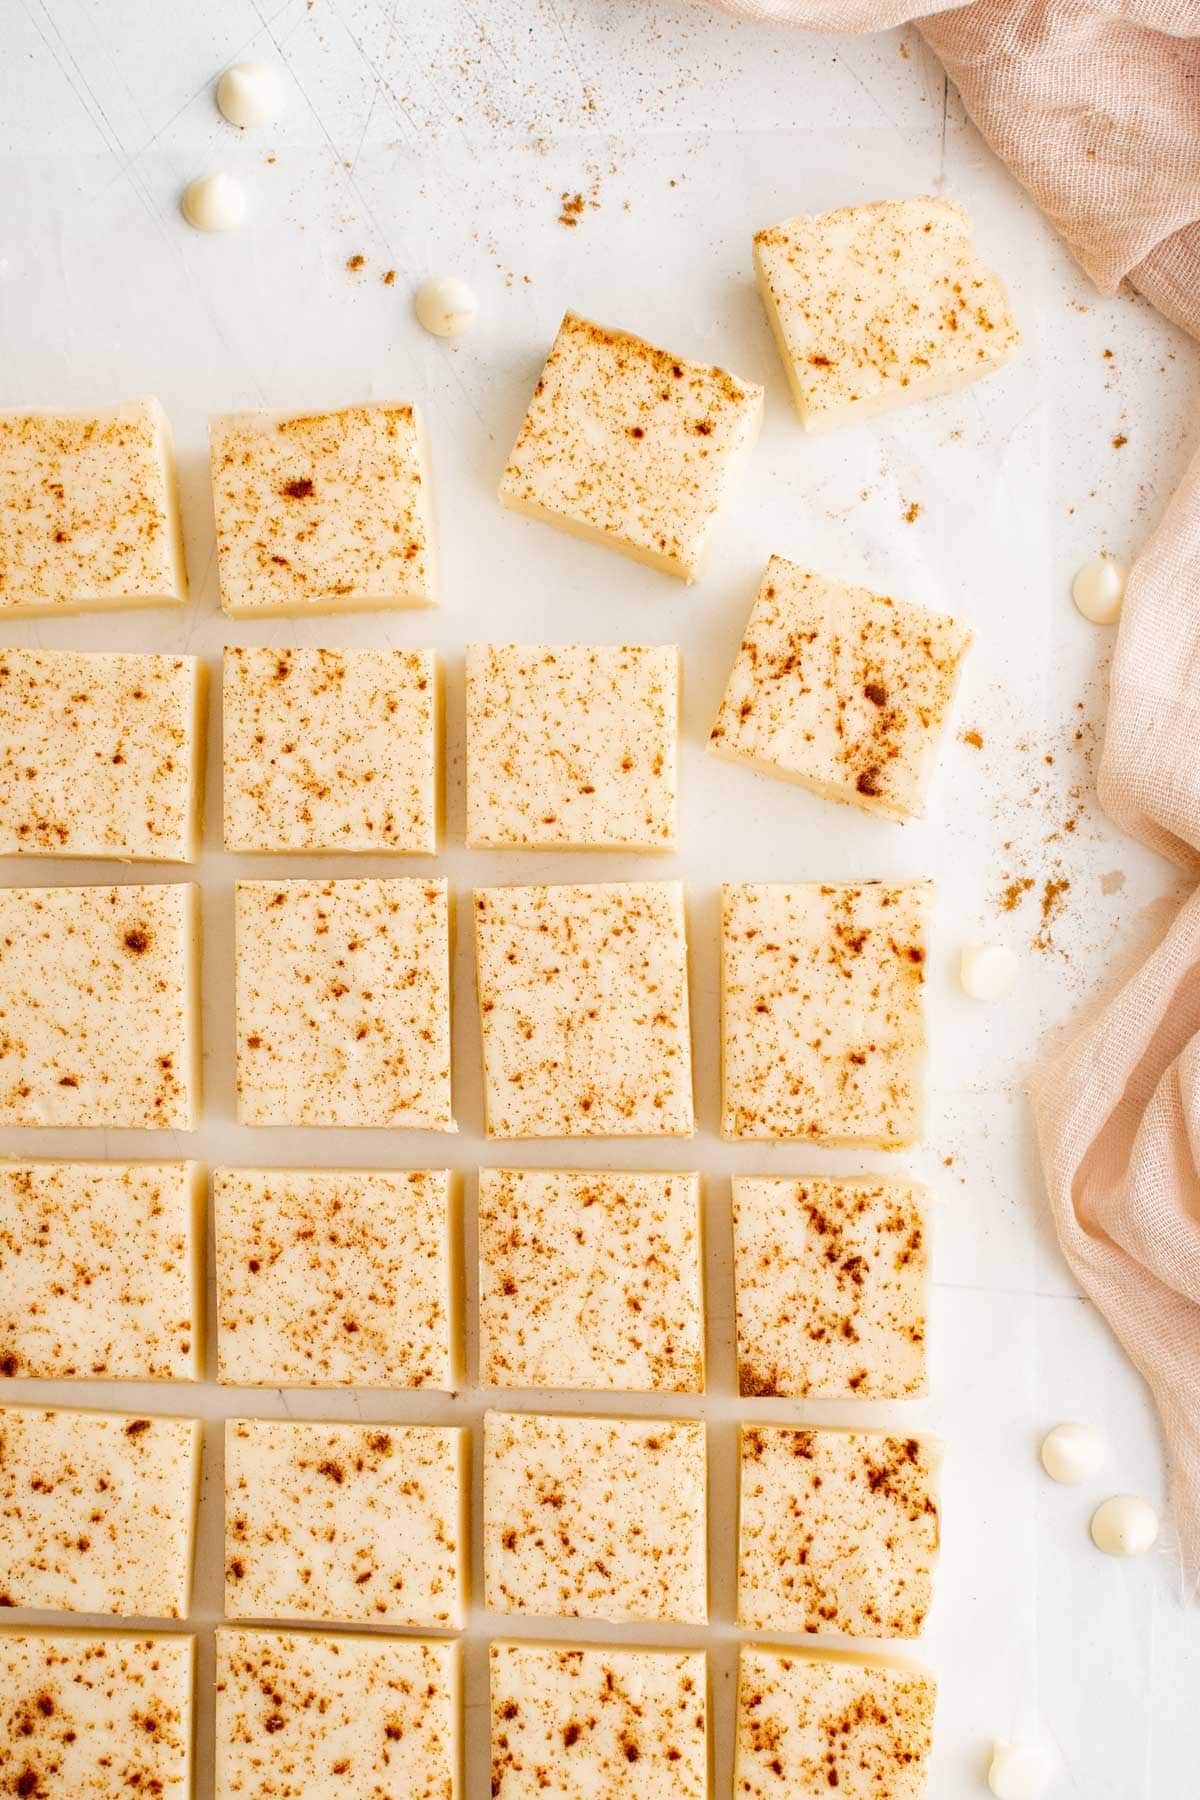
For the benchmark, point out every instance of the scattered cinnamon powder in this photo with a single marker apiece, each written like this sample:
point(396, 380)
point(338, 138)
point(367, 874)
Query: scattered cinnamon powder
point(1119, 441)
point(1052, 904)
point(389, 278)
point(355, 263)
point(912, 512)
point(1012, 896)
point(572, 209)
point(974, 738)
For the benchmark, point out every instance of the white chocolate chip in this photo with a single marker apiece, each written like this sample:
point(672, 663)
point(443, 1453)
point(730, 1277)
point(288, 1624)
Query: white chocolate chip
point(446, 306)
point(1073, 1453)
point(250, 94)
point(1018, 1772)
point(214, 203)
point(1098, 590)
point(1124, 1526)
point(987, 971)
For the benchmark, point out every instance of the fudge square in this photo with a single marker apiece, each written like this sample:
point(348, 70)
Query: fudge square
point(357, 1524)
point(822, 1021)
point(100, 755)
point(331, 750)
point(628, 1724)
point(583, 998)
point(572, 746)
point(830, 1279)
point(323, 512)
point(591, 1280)
point(99, 1014)
point(322, 1713)
point(343, 1003)
point(837, 1531)
point(336, 1278)
point(630, 446)
point(876, 306)
point(595, 1518)
point(843, 691)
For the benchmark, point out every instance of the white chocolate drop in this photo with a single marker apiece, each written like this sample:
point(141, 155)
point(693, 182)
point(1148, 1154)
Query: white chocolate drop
point(1073, 1453)
point(214, 203)
point(446, 306)
point(1124, 1526)
point(1098, 590)
point(1018, 1772)
point(987, 971)
point(250, 94)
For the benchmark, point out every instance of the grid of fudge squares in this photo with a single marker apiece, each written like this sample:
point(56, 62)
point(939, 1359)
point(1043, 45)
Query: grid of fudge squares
point(630, 446)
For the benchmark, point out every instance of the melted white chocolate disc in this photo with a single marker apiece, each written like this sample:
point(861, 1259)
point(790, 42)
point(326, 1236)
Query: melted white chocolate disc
point(1073, 1453)
point(1098, 590)
point(250, 94)
point(987, 971)
point(1124, 1526)
point(446, 305)
point(214, 203)
point(1018, 1772)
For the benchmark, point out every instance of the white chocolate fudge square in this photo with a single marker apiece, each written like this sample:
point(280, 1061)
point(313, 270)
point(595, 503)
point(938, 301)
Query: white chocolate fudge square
point(590, 1279)
point(99, 1014)
point(876, 306)
point(323, 512)
point(356, 1524)
point(626, 1723)
point(583, 997)
point(841, 690)
point(837, 1531)
point(89, 518)
point(343, 1003)
point(100, 755)
point(822, 1021)
point(595, 1518)
point(336, 1278)
point(328, 750)
point(328, 1715)
point(812, 1723)
point(830, 1278)
point(97, 1511)
point(629, 446)
point(102, 1271)
point(572, 746)
point(86, 1715)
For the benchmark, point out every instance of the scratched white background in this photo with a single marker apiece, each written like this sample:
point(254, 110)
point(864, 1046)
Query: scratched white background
point(431, 134)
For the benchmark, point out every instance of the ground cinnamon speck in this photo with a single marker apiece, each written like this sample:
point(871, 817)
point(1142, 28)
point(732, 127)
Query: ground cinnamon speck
point(355, 263)
point(1120, 441)
point(974, 738)
point(912, 512)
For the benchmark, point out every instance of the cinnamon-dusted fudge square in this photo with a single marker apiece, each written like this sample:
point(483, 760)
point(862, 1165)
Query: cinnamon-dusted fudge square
point(841, 690)
point(877, 306)
point(630, 446)
point(572, 746)
point(822, 1016)
point(831, 1278)
point(331, 750)
point(323, 512)
point(595, 1518)
point(837, 1531)
point(583, 997)
point(591, 1279)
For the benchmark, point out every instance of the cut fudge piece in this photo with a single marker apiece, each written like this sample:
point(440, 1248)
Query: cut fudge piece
point(632, 447)
point(100, 755)
point(99, 1013)
point(102, 1270)
point(809, 1724)
point(86, 1715)
point(628, 1724)
point(97, 1511)
point(572, 746)
point(583, 998)
point(822, 1021)
point(595, 1518)
point(844, 691)
point(337, 1278)
point(837, 1531)
point(331, 750)
point(357, 1524)
point(323, 512)
point(875, 306)
point(322, 1714)
point(591, 1280)
point(830, 1276)
point(343, 1003)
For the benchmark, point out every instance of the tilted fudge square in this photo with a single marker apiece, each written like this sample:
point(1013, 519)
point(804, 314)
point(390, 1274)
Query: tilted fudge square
point(629, 446)
point(837, 1531)
point(331, 750)
point(841, 690)
point(822, 1022)
point(876, 306)
point(583, 999)
point(572, 746)
point(323, 512)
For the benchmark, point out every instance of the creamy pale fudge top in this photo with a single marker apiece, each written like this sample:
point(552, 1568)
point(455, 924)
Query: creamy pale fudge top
point(844, 691)
point(822, 1021)
point(630, 446)
point(89, 518)
point(323, 512)
point(838, 1531)
point(331, 750)
point(572, 746)
point(876, 306)
point(102, 1270)
point(595, 1721)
